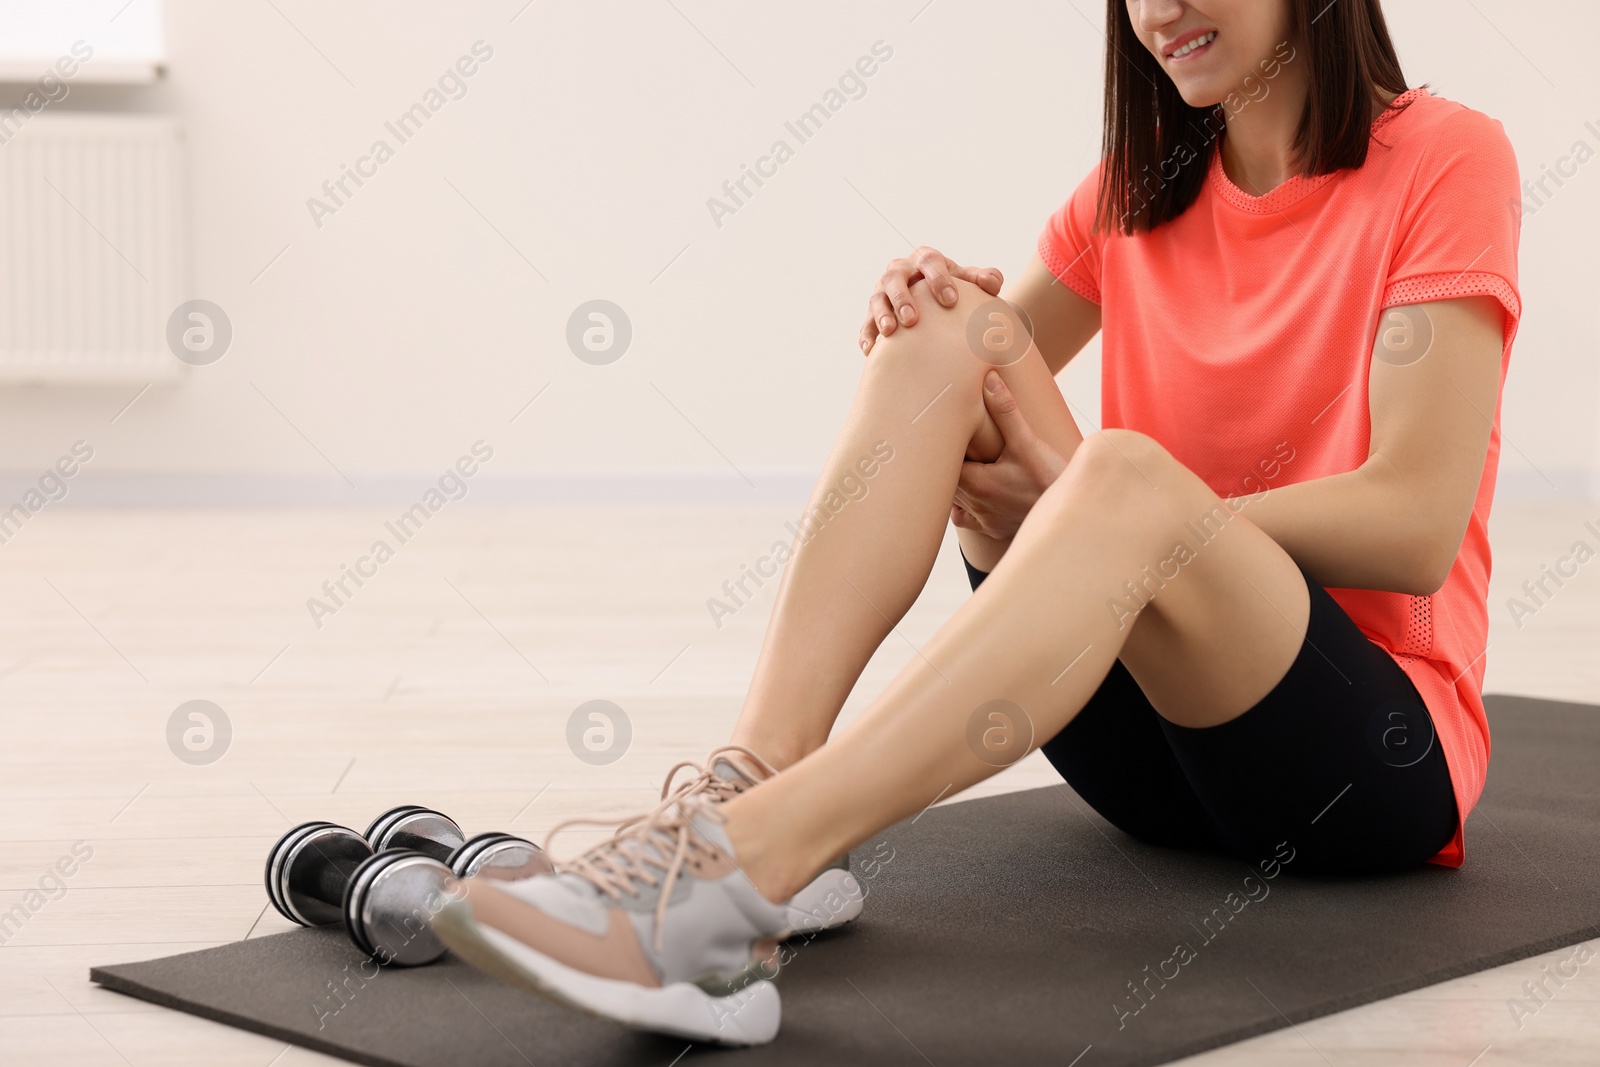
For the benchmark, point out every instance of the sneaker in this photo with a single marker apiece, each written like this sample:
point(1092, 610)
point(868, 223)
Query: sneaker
point(833, 898)
point(656, 928)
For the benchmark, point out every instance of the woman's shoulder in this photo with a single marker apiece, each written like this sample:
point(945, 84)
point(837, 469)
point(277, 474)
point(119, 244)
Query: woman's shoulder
point(1428, 124)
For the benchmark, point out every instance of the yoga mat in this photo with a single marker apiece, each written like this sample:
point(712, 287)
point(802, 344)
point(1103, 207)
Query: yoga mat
point(1012, 929)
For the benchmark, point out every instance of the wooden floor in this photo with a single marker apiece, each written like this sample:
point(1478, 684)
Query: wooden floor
point(448, 680)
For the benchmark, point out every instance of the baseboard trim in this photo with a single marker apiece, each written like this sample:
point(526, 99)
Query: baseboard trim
point(777, 487)
point(787, 487)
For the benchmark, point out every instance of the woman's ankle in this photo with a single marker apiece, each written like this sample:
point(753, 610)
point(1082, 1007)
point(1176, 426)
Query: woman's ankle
point(777, 873)
point(780, 753)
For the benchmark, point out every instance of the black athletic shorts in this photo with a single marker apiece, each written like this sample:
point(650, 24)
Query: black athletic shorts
point(1340, 761)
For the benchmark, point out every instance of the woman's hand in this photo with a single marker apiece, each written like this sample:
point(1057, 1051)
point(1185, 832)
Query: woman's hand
point(994, 498)
point(891, 307)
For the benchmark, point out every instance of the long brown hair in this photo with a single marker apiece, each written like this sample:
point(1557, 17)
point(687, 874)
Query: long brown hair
point(1157, 148)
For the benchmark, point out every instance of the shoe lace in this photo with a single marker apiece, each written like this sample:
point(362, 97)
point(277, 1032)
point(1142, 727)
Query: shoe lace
point(646, 851)
point(706, 780)
point(662, 839)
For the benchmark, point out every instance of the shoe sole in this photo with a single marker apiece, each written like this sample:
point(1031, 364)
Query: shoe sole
point(833, 899)
point(748, 1017)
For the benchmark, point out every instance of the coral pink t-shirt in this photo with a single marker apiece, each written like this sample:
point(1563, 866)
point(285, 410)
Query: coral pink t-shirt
point(1242, 331)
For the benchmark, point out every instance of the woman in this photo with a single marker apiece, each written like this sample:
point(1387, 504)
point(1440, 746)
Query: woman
point(1249, 617)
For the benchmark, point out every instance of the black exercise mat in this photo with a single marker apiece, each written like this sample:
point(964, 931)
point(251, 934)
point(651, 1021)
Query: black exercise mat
point(1008, 930)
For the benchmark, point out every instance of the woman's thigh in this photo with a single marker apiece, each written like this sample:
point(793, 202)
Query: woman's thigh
point(1337, 765)
point(1339, 762)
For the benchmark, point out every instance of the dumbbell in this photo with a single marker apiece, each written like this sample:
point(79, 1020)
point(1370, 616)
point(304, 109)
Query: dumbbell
point(435, 835)
point(313, 874)
point(380, 883)
point(395, 892)
point(309, 868)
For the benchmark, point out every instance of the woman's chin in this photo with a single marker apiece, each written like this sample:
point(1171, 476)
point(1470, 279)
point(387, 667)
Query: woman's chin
point(1200, 95)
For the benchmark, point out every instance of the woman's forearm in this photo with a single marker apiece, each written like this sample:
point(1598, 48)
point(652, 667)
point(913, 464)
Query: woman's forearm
point(1364, 529)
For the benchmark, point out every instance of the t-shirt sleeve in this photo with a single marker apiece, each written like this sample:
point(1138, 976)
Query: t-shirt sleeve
point(1460, 226)
point(1069, 245)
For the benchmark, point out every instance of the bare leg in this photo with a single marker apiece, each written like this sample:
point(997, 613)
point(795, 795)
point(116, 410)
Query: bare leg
point(865, 563)
point(1041, 633)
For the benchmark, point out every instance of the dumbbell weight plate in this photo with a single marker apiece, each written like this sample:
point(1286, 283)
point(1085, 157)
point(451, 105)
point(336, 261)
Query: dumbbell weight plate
point(275, 856)
point(412, 826)
point(500, 856)
point(383, 818)
point(309, 869)
point(392, 898)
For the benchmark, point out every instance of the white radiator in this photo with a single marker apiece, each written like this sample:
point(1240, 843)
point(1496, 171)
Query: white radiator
point(92, 247)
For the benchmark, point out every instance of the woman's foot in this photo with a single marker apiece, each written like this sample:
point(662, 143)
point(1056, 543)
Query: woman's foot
point(831, 899)
point(657, 928)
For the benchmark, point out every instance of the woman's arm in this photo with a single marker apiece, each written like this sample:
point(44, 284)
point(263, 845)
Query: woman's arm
point(1063, 321)
point(1396, 522)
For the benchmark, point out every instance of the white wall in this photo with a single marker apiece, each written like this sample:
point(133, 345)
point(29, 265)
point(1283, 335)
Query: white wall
point(406, 327)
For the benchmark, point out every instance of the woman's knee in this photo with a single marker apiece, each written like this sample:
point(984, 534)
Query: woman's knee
point(937, 341)
point(1118, 455)
point(1112, 471)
